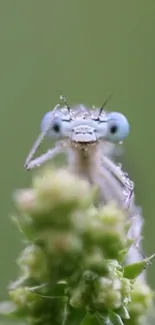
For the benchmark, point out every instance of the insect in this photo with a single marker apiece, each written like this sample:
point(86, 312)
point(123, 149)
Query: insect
point(88, 136)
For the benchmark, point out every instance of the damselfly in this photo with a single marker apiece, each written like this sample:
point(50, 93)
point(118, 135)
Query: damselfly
point(87, 136)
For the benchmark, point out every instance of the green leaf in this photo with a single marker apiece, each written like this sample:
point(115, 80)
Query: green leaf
point(74, 317)
point(115, 318)
point(131, 271)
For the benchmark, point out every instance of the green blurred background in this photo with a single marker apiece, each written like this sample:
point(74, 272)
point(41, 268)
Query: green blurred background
point(83, 49)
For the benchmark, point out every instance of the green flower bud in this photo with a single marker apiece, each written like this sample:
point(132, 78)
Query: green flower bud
point(141, 301)
point(107, 294)
point(107, 229)
point(37, 309)
point(73, 255)
point(27, 302)
point(65, 251)
point(33, 263)
point(95, 262)
point(126, 290)
point(52, 199)
point(53, 189)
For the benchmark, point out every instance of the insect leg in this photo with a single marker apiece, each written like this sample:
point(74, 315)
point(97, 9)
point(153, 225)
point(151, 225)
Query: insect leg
point(135, 252)
point(112, 184)
point(128, 185)
point(39, 141)
point(30, 164)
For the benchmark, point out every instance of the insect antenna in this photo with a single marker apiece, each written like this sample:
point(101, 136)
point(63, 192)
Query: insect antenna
point(105, 102)
point(63, 99)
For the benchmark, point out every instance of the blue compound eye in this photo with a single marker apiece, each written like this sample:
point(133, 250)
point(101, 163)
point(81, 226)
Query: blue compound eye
point(53, 125)
point(118, 127)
